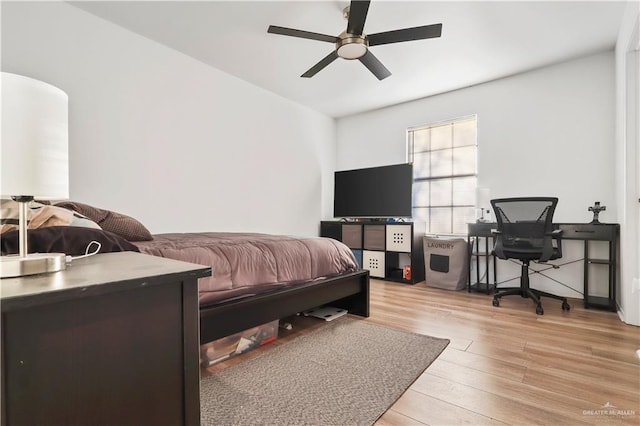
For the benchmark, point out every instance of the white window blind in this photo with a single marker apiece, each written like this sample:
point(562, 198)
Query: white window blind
point(445, 174)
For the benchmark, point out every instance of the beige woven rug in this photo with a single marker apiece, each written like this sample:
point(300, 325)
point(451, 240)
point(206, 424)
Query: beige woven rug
point(348, 372)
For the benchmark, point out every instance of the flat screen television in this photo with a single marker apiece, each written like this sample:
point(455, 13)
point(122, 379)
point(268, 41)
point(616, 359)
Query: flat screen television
point(375, 192)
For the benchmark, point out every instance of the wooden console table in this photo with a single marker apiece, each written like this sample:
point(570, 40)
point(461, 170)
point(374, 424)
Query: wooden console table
point(113, 339)
point(587, 232)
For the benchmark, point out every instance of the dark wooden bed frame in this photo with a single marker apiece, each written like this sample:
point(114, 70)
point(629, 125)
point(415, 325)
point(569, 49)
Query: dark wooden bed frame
point(349, 291)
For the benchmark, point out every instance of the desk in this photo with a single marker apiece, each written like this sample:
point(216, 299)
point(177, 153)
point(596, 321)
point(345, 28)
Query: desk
point(587, 232)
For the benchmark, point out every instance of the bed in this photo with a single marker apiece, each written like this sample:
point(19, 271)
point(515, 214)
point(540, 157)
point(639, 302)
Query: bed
point(257, 278)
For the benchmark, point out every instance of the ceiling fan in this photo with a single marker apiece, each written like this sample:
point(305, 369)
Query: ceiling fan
point(354, 43)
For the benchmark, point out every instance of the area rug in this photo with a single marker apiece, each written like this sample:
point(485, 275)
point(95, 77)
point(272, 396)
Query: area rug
point(348, 372)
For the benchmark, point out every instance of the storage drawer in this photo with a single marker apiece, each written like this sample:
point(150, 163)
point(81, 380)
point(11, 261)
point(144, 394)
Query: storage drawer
point(374, 262)
point(238, 343)
point(374, 237)
point(481, 229)
point(588, 231)
point(352, 235)
point(399, 238)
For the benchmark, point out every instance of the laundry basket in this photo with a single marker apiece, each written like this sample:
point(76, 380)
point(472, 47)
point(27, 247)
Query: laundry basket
point(446, 262)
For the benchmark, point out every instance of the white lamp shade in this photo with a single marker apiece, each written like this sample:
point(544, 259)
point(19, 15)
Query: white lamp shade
point(34, 153)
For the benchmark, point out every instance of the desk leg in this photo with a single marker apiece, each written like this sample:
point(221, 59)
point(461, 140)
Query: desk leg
point(495, 274)
point(478, 262)
point(586, 274)
point(487, 261)
point(613, 259)
point(470, 243)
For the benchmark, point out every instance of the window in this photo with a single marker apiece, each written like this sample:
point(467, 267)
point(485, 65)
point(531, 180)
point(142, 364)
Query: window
point(445, 174)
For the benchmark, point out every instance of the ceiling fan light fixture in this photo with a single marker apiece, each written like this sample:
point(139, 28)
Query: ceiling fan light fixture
point(354, 44)
point(351, 47)
point(352, 51)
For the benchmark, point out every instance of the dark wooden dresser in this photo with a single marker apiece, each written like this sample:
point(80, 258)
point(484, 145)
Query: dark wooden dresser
point(112, 340)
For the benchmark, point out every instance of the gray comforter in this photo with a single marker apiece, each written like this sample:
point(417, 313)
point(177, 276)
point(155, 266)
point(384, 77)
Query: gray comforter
point(245, 264)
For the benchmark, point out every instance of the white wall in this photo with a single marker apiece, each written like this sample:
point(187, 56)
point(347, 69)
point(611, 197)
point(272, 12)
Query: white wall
point(544, 132)
point(167, 139)
point(628, 157)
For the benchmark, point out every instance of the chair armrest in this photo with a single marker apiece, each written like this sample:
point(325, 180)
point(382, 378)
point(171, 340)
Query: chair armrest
point(498, 249)
point(556, 235)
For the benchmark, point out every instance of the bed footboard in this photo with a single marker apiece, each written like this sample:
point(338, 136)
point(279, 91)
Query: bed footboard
point(348, 291)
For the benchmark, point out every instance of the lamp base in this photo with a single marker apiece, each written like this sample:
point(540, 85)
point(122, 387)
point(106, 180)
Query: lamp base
point(31, 264)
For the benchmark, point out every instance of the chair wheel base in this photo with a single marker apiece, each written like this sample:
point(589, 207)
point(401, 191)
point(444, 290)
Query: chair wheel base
point(565, 306)
point(539, 310)
point(496, 302)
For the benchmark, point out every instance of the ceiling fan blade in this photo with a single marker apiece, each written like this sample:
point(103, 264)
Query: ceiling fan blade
point(302, 34)
point(407, 34)
point(375, 66)
point(357, 15)
point(320, 65)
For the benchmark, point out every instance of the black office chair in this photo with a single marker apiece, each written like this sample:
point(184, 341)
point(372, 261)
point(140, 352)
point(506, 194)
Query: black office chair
point(525, 232)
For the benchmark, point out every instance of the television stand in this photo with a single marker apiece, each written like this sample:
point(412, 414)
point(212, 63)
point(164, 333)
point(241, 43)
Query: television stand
point(391, 251)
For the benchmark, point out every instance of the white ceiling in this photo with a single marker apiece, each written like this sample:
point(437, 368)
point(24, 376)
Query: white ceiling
point(480, 41)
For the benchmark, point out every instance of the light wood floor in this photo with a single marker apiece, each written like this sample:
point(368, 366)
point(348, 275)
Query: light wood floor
point(506, 365)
